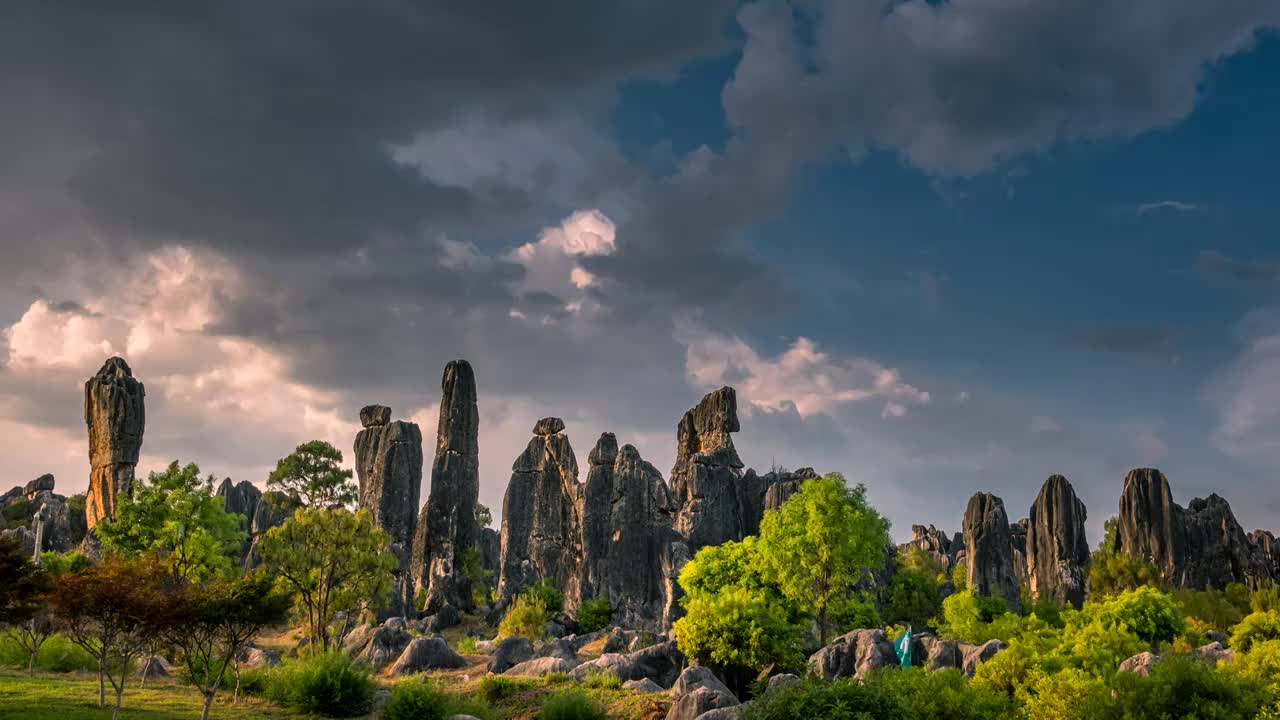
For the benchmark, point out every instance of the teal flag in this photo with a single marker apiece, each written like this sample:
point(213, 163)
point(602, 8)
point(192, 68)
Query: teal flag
point(903, 648)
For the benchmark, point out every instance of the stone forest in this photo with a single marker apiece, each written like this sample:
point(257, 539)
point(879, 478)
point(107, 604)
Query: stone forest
point(716, 592)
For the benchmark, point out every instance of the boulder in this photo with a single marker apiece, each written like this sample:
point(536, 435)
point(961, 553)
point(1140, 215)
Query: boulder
point(537, 667)
point(541, 524)
point(695, 704)
point(254, 657)
point(643, 685)
point(1057, 550)
point(660, 663)
point(154, 666)
point(51, 520)
point(509, 653)
point(617, 641)
point(1214, 653)
point(560, 648)
point(1140, 664)
point(387, 643)
point(374, 416)
point(726, 713)
point(427, 653)
point(989, 550)
point(782, 680)
point(974, 655)
point(115, 413)
point(44, 483)
point(707, 475)
point(934, 653)
point(854, 654)
point(450, 526)
point(696, 676)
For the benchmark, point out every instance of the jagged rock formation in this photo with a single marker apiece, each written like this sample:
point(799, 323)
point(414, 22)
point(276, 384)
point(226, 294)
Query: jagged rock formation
point(707, 476)
point(490, 544)
point(541, 527)
point(762, 493)
point(626, 519)
point(274, 507)
point(1018, 548)
point(241, 499)
point(388, 458)
point(1201, 546)
point(989, 550)
point(450, 513)
point(1265, 552)
point(1057, 550)
point(114, 411)
point(935, 544)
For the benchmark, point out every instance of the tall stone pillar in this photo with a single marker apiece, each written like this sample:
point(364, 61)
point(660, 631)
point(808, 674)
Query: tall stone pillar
point(115, 414)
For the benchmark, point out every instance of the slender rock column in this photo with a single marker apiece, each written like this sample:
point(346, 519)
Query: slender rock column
point(114, 411)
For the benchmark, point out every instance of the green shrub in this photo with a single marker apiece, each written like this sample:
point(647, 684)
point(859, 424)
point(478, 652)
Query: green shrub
point(495, 687)
point(555, 678)
point(543, 592)
point(1256, 628)
point(854, 613)
point(595, 615)
point(328, 683)
point(602, 679)
point(1267, 598)
point(911, 597)
point(1070, 694)
point(1111, 573)
point(570, 706)
point(1153, 616)
point(467, 645)
point(1183, 687)
point(424, 700)
point(813, 698)
point(966, 616)
point(738, 629)
point(527, 617)
point(16, 514)
point(942, 694)
point(1261, 664)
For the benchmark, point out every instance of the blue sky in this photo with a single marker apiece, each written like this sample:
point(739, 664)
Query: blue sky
point(940, 247)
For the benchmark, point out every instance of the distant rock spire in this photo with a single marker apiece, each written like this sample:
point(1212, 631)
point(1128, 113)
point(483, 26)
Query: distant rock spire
point(388, 458)
point(1057, 550)
point(115, 413)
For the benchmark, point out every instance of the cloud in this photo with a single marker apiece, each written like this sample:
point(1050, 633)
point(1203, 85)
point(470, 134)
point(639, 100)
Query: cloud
point(1177, 206)
point(1045, 424)
point(1125, 340)
point(1252, 274)
point(1245, 394)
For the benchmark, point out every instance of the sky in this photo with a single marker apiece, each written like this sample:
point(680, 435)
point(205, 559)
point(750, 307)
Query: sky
point(940, 246)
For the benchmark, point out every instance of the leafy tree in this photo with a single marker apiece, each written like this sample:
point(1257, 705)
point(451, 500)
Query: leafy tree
point(911, 597)
point(1069, 694)
point(484, 516)
point(820, 544)
point(595, 614)
point(1114, 573)
point(314, 472)
point(477, 575)
point(1153, 616)
point(334, 561)
point(527, 618)
point(23, 611)
point(1257, 627)
point(740, 631)
point(966, 616)
point(112, 610)
point(210, 624)
point(176, 515)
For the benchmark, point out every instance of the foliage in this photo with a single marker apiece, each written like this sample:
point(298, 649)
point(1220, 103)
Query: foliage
point(1257, 627)
point(595, 615)
point(966, 616)
point(484, 516)
point(75, 512)
point(58, 563)
point(1153, 616)
point(1070, 694)
point(844, 699)
point(329, 683)
point(854, 612)
point(547, 594)
point(739, 629)
point(466, 645)
point(1184, 687)
point(1111, 573)
point(556, 678)
point(176, 515)
point(17, 513)
point(112, 610)
point(477, 575)
point(495, 687)
point(527, 617)
point(943, 695)
point(911, 597)
point(718, 567)
point(820, 543)
point(314, 472)
point(332, 560)
point(1267, 598)
point(572, 705)
point(210, 624)
point(420, 699)
point(57, 654)
point(602, 679)
point(21, 583)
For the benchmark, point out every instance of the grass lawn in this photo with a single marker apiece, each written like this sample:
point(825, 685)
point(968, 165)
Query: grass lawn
point(72, 696)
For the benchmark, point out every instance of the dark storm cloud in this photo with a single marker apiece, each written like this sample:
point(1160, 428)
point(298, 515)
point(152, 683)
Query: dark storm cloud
point(1251, 274)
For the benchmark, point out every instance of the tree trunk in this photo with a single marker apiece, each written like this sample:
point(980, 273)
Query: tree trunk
point(31, 664)
point(119, 694)
point(102, 687)
point(235, 698)
point(208, 702)
point(822, 626)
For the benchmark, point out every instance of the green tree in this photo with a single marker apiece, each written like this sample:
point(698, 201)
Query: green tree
point(484, 516)
point(740, 631)
point(477, 575)
point(23, 607)
point(333, 560)
point(821, 543)
point(1255, 628)
point(1153, 616)
point(176, 515)
point(911, 595)
point(314, 472)
point(210, 624)
point(1114, 573)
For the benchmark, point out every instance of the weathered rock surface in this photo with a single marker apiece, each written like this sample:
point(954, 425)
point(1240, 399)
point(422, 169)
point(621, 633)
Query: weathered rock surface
point(537, 667)
point(660, 663)
point(989, 549)
point(627, 514)
point(241, 499)
point(51, 521)
point(644, 685)
point(427, 653)
point(1217, 550)
point(509, 653)
point(380, 645)
point(562, 648)
point(935, 544)
point(541, 525)
point(115, 413)
point(762, 493)
point(1057, 550)
point(696, 676)
point(707, 475)
point(388, 459)
point(44, 483)
point(695, 704)
point(971, 656)
point(450, 512)
point(1140, 664)
point(933, 653)
point(273, 509)
point(1149, 524)
point(854, 654)
point(23, 536)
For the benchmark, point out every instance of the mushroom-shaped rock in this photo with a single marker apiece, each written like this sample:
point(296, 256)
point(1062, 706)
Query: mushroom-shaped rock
point(374, 415)
point(44, 483)
point(427, 653)
point(548, 426)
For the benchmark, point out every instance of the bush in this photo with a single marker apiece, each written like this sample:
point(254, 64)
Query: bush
point(1153, 616)
point(602, 679)
point(942, 694)
point(911, 597)
point(556, 678)
point(1111, 573)
point(327, 683)
point(467, 645)
point(813, 698)
point(58, 654)
point(423, 700)
point(496, 687)
point(543, 592)
point(595, 615)
point(966, 615)
point(1184, 687)
point(1257, 627)
point(570, 706)
point(527, 617)
point(1070, 694)
point(739, 629)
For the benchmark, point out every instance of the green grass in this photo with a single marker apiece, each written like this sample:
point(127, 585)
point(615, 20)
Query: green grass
point(58, 654)
point(68, 696)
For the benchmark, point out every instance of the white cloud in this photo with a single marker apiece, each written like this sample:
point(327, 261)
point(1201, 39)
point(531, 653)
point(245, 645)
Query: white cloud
point(551, 262)
point(1045, 424)
point(1246, 394)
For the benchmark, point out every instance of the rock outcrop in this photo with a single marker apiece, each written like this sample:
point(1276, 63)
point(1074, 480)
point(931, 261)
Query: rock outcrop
point(426, 653)
point(1199, 547)
point(626, 519)
point(114, 411)
point(707, 476)
point(989, 550)
point(541, 527)
point(388, 459)
point(853, 655)
point(450, 513)
point(274, 507)
point(241, 499)
point(1057, 550)
point(762, 493)
point(935, 543)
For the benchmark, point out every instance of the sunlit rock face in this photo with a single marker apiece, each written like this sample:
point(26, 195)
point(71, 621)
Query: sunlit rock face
point(1057, 550)
point(706, 481)
point(388, 458)
point(114, 410)
point(989, 549)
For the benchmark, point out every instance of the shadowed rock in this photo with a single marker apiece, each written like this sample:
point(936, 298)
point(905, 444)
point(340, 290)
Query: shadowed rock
point(1057, 550)
point(273, 509)
point(989, 550)
point(388, 459)
point(1150, 524)
point(762, 493)
point(854, 654)
point(114, 411)
point(706, 478)
point(450, 513)
point(541, 526)
point(935, 543)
